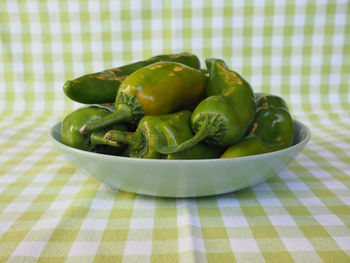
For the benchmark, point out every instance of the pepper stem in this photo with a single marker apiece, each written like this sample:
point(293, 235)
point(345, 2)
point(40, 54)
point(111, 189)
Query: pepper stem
point(122, 114)
point(98, 138)
point(202, 133)
point(134, 139)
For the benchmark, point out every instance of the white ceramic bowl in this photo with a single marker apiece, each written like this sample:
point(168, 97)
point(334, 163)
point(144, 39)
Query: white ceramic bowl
point(181, 178)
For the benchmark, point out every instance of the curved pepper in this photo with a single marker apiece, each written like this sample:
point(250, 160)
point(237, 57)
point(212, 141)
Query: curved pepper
point(224, 117)
point(101, 87)
point(157, 89)
point(271, 130)
point(170, 129)
point(93, 142)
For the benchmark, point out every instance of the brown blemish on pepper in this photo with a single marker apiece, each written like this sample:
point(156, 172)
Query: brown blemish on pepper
point(155, 66)
point(178, 68)
point(230, 77)
point(255, 126)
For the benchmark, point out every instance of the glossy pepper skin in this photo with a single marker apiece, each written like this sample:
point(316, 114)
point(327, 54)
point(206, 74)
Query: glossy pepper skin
point(224, 117)
point(101, 87)
point(169, 129)
point(271, 130)
point(92, 142)
point(158, 89)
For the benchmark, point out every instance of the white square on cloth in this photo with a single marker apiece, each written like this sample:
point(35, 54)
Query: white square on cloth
point(138, 248)
point(328, 220)
point(191, 243)
point(17, 207)
point(244, 245)
point(188, 220)
point(297, 244)
point(47, 223)
point(335, 185)
point(282, 220)
point(102, 204)
point(312, 201)
point(234, 221)
point(141, 223)
point(94, 224)
point(59, 205)
point(32, 190)
point(5, 225)
point(29, 249)
point(297, 186)
point(343, 242)
point(270, 201)
point(83, 248)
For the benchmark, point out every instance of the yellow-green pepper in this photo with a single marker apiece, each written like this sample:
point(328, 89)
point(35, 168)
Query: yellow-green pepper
point(224, 117)
point(169, 129)
point(102, 87)
point(95, 141)
point(271, 130)
point(157, 89)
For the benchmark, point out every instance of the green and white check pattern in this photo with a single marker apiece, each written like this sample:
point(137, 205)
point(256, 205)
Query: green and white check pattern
point(50, 212)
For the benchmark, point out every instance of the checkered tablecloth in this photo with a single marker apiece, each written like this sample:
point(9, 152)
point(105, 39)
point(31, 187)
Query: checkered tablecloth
point(51, 212)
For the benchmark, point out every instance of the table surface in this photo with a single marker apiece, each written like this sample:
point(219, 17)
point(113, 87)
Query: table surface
point(51, 212)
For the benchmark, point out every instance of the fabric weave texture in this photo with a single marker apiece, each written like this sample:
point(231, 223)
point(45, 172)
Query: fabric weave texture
point(51, 212)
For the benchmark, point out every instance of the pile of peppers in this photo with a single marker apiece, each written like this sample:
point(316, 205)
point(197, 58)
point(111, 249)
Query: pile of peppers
point(167, 107)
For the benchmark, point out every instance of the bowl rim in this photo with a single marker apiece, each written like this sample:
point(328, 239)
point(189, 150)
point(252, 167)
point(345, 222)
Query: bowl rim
point(164, 161)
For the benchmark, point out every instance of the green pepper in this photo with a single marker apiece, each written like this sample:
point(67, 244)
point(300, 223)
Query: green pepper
point(224, 117)
point(271, 130)
point(93, 142)
point(169, 129)
point(101, 87)
point(157, 89)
